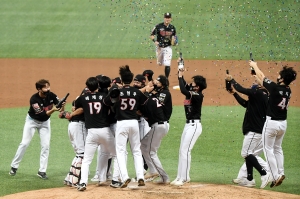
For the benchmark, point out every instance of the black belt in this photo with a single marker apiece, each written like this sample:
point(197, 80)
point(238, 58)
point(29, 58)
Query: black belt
point(272, 118)
point(192, 121)
point(76, 121)
point(162, 122)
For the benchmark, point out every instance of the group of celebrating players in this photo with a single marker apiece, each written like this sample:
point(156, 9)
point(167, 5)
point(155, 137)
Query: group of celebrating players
point(111, 114)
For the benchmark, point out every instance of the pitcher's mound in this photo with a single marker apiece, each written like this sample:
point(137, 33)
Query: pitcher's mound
point(151, 190)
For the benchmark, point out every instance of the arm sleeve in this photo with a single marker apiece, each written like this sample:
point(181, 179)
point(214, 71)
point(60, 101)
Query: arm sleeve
point(241, 89)
point(183, 88)
point(240, 100)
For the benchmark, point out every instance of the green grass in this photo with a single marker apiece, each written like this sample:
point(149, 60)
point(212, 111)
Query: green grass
point(221, 29)
point(215, 157)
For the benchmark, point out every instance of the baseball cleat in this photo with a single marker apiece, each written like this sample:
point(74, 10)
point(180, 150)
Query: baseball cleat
point(246, 183)
point(95, 178)
point(180, 182)
point(161, 181)
point(265, 180)
point(42, 175)
point(124, 185)
point(13, 171)
point(174, 181)
point(115, 184)
point(279, 180)
point(141, 182)
point(237, 180)
point(101, 183)
point(81, 187)
point(151, 175)
point(272, 184)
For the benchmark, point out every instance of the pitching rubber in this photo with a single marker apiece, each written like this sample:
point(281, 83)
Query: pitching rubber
point(176, 88)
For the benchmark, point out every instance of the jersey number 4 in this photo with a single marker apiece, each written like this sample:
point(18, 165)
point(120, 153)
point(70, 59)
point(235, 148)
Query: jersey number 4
point(282, 104)
point(95, 107)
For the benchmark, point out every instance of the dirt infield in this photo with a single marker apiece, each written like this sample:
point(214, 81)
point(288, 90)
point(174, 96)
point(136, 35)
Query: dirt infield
point(153, 191)
point(18, 77)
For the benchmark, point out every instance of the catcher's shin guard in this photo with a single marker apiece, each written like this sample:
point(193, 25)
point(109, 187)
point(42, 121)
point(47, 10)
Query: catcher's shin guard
point(75, 170)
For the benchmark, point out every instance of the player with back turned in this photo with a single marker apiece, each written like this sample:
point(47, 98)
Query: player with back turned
point(165, 37)
point(99, 133)
point(129, 100)
point(276, 121)
point(255, 116)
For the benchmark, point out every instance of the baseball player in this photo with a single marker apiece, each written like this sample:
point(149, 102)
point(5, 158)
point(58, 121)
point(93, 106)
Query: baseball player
point(97, 123)
point(42, 105)
point(193, 128)
point(165, 37)
point(129, 101)
point(109, 173)
point(77, 134)
point(154, 111)
point(139, 82)
point(276, 123)
point(255, 116)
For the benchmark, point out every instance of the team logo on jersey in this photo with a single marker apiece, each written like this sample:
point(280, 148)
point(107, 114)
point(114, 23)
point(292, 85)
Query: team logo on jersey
point(162, 97)
point(187, 102)
point(36, 108)
point(267, 81)
point(165, 33)
point(194, 93)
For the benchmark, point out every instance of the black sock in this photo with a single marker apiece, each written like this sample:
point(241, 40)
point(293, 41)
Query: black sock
point(145, 164)
point(256, 165)
point(167, 71)
point(249, 169)
point(108, 164)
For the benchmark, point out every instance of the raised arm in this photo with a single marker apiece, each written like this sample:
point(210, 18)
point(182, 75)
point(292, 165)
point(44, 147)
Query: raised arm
point(259, 74)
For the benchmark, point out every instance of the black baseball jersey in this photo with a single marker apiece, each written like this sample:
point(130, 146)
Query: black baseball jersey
point(279, 99)
point(164, 34)
point(39, 106)
point(192, 103)
point(153, 110)
point(95, 111)
point(130, 101)
point(256, 107)
point(165, 98)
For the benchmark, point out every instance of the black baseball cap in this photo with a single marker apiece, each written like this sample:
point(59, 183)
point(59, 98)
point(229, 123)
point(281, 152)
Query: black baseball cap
point(140, 78)
point(167, 15)
point(117, 80)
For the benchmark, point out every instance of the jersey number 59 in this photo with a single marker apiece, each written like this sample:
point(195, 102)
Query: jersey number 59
point(128, 103)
